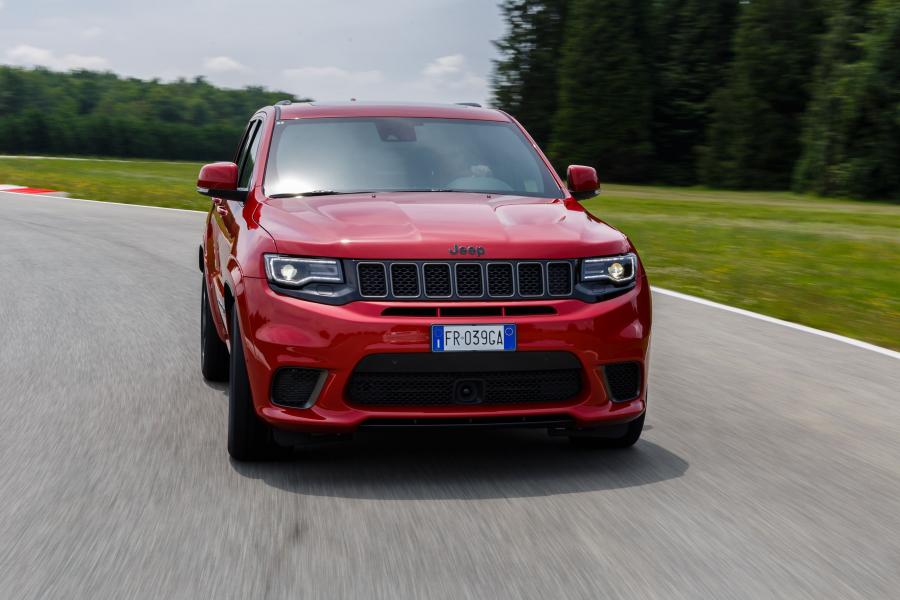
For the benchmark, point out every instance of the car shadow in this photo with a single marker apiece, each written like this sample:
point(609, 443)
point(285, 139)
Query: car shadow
point(463, 465)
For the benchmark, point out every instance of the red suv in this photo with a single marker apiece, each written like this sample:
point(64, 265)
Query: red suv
point(413, 266)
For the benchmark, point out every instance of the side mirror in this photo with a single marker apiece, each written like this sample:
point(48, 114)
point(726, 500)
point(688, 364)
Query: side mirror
point(220, 180)
point(582, 182)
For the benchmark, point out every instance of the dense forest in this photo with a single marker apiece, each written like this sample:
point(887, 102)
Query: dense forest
point(765, 94)
point(101, 114)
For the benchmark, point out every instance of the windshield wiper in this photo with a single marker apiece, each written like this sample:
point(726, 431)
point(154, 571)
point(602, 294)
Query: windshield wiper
point(316, 193)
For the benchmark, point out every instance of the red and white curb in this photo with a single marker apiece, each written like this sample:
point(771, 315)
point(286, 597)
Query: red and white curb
point(17, 189)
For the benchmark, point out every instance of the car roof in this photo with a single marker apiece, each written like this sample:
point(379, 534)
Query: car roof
point(312, 110)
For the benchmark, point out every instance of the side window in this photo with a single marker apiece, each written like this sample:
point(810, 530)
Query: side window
point(248, 160)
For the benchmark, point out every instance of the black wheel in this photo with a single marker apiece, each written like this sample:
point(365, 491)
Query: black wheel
point(213, 351)
point(249, 438)
point(629, 438)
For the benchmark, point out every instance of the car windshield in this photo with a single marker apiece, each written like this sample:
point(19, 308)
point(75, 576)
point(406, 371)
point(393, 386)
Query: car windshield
point(345, 155)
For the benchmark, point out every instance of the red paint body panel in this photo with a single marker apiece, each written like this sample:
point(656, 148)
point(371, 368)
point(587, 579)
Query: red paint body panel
point(219, 176)
point(313, 110)
point(279, 330)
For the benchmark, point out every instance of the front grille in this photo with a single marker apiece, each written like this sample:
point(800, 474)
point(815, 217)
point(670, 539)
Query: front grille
point(293, 386)
point(517, 280)
point(623, 380)
point(463, 379)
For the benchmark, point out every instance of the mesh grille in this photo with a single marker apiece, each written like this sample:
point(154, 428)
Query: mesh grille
point(559, 279)
point(623, 380)
point(372, 280)
point(437, 280)
point(293, 386)
point(531, 279)
point(500, 280)
point(405, 280)
point(468, 280)
point(438, 389)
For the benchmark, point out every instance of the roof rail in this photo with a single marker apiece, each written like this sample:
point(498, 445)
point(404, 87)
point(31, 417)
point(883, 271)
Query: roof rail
point(472, 104)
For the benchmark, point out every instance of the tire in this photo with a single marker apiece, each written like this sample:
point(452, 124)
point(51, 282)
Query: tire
point(213, 351)
point(631, 436)
point(249, 438)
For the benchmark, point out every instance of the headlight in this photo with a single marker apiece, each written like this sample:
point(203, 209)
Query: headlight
point(618, 269)
point(294, 272)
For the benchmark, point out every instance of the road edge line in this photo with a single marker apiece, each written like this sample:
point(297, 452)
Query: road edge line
point(761, 317)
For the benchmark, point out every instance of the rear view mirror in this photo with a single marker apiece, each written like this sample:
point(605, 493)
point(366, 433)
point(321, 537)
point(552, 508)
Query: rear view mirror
point(582, 182)
point(219, 180)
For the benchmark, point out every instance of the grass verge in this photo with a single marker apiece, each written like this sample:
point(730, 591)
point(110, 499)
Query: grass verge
point(829, 264)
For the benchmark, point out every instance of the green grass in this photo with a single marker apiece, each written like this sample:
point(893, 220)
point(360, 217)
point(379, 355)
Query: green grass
point(157, 183)
point(830, 264)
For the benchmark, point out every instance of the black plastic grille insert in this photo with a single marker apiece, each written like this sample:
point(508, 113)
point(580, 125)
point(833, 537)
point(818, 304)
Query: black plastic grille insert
point(429, 380)
point(372, 280)
point(405, 280)
point(559, 278)
point(468, 280)
point(294, 386)
point(623, 380)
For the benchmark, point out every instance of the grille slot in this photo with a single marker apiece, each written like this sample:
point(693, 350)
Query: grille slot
point(559, 278)
point(405, 280)
point(500, 280)
point(469, 283)
point(531, 279)
point(623, 380)
point(437, 280)
point(372, 280)
point(295, 387)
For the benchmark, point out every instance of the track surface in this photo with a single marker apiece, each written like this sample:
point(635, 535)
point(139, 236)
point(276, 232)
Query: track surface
point(771, 467)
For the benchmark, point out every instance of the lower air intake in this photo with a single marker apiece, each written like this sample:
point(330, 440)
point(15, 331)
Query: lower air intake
point(483, 378)
point(623, 380)
point(295, 387)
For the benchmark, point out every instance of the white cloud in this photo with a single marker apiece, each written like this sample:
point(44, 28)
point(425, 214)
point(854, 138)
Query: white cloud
point(223, 64)
point(451, 72)
point(78, 61)
point(30, 56)
point(90, 33)
point(331, 83)
point(24, 54)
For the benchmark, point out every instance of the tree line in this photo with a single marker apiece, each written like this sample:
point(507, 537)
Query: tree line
point(752, 94)
point(101, 114)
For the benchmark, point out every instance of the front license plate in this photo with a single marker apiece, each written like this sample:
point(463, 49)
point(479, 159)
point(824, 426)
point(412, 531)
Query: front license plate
point(472, 338)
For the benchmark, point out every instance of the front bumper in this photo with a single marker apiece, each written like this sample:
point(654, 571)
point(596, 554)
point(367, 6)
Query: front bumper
point(280, 331)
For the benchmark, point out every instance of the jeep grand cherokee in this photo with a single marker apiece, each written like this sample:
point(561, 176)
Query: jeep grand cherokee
point(376, 266)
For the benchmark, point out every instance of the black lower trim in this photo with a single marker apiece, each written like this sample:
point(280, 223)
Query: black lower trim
point(542, 421)
point(440, 362)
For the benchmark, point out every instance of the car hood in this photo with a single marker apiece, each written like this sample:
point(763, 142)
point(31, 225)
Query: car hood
point(428, 225)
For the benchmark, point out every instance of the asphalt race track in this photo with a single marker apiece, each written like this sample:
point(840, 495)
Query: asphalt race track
point(770, 468)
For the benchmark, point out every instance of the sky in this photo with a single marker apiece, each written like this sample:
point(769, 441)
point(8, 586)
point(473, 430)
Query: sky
point(417, 50)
